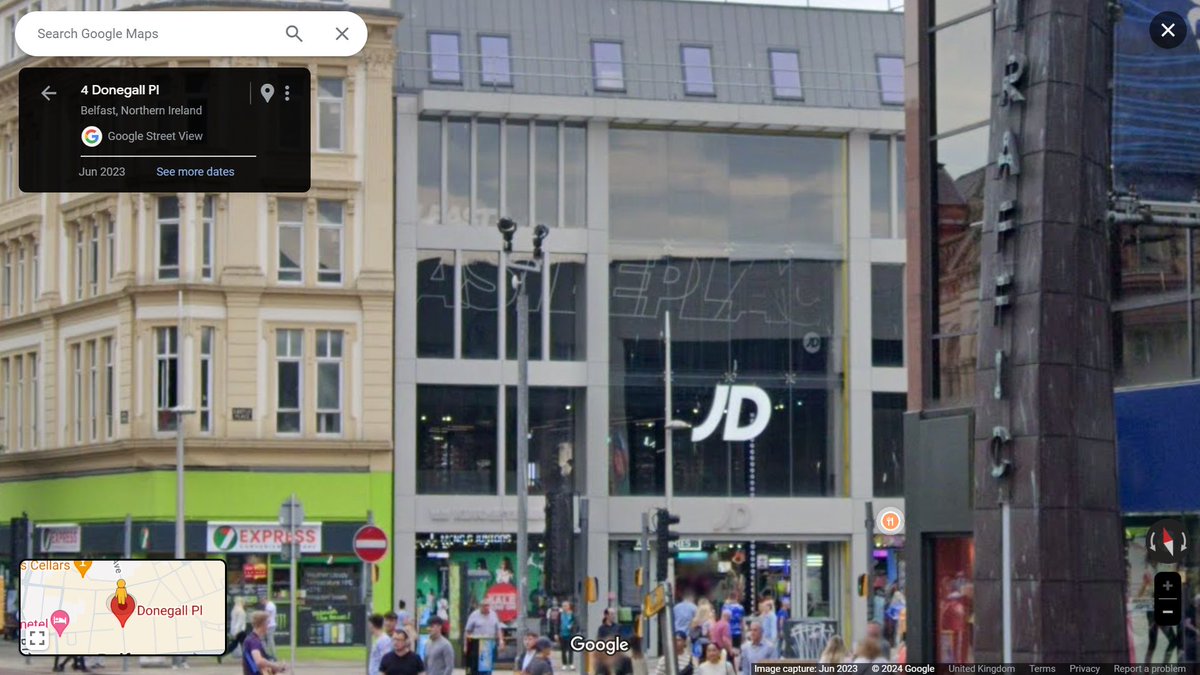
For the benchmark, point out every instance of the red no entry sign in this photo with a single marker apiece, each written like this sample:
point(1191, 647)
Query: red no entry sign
point(370, 544)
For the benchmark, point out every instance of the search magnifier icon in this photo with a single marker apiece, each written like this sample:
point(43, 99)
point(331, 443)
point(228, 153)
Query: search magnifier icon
point(293, 32)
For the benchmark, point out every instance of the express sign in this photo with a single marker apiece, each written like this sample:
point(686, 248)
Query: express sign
point(261, 537)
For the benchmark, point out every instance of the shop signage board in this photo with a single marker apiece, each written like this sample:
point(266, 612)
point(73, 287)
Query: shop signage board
point(59, 538)
point(260, 537)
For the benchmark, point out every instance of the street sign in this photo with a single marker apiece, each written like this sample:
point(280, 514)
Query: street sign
point(291, 513)
point(370, 544)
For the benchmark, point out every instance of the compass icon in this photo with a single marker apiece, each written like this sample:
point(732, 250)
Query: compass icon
point(1166, 541)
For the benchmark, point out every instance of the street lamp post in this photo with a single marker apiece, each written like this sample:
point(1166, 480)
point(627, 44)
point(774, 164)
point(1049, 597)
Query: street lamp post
point(670, 426)
point(179, 411)
point(508, 228)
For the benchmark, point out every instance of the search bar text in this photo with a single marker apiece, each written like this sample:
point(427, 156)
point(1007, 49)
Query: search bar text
point(191, 33)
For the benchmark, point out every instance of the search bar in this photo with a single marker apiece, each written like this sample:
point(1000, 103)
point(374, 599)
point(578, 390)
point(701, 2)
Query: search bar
point(191, 33)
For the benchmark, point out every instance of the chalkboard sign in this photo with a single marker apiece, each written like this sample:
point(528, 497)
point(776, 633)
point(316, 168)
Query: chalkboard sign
point(331, 584)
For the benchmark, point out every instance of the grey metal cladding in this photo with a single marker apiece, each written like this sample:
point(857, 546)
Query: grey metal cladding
point(551, 46)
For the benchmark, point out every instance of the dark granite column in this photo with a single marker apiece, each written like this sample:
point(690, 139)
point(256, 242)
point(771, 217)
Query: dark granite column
point(1052, 326)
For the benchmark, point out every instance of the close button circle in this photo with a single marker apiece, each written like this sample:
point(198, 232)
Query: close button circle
point(1168, 30)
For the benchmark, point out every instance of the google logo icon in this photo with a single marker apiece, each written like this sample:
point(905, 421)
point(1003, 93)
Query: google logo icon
point(91, 136)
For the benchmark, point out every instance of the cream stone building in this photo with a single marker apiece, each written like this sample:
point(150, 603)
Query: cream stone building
point(283, 350)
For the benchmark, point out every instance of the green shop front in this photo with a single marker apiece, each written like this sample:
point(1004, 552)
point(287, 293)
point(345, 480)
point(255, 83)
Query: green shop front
point(232, 516)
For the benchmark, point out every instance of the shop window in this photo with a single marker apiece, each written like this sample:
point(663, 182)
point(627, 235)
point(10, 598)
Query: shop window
point(554, 415)
point(954, 610)
point(767, 324)
point(567, 302)
point(456, 440)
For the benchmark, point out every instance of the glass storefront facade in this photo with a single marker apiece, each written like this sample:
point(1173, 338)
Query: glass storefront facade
point(742, 239)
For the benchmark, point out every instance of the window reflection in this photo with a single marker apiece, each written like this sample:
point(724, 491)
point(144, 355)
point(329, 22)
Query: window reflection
point(567, 303)
point(881, 188)
point(554, 415)
point(765, 323)
point(480, 305)
point(487, 181)
point(456, 440)
point(429, 171)
point(435, 304)
point(959, 196)
point(1153, 260)
point(533, 288)
point(887, 440)
point(547, 174)
point(887, 315)
point(458, 172)
point(954, 588)
point(962, 86)
point(516, 158)
point(1151, 345)
point(725, 188)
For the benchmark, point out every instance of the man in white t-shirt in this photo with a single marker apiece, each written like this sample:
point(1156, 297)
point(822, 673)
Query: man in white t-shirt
point(269, 639)
point(482, 623)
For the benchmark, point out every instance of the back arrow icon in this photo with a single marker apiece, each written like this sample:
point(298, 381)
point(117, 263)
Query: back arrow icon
point(47, 93)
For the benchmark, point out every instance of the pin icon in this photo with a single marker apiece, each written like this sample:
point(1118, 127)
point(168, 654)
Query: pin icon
point(83, 566)
point(267, 92)
point(59, 620)
point(122, 603)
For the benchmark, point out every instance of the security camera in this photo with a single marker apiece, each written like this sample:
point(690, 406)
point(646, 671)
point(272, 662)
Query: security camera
point(539, 235)
point(507, 227)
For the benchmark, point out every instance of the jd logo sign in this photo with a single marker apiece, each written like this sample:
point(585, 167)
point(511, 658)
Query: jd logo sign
point(727, 402)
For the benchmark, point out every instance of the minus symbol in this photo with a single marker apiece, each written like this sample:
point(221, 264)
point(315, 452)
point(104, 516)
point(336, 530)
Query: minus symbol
point(1168, 611)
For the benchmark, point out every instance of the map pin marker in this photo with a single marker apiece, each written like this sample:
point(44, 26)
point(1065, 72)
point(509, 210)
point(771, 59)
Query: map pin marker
point(83, 566)
point(267, 92)
point(122, 603)
point(59, 620)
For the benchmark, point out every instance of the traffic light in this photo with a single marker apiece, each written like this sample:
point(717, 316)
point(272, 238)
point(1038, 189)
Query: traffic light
point(664, 535)
point(591, 589)
point(862, 586)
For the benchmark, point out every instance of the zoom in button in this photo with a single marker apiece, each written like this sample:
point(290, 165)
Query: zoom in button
point(1168, 598)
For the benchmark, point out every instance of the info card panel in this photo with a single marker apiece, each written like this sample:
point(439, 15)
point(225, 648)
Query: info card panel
point(165, 129)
